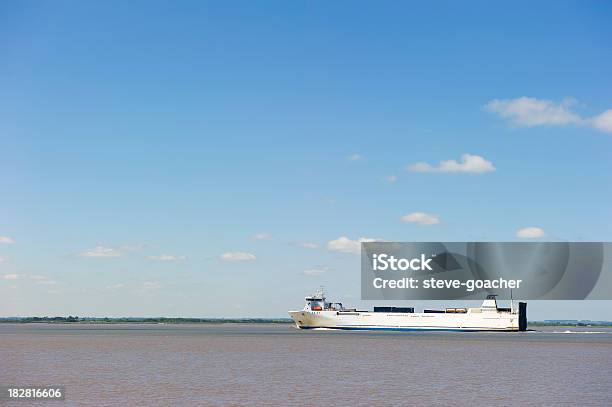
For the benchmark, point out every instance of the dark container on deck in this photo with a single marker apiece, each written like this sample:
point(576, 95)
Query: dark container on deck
point(405, 310)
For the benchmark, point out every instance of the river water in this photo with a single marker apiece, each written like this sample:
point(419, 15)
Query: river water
point(261, 364)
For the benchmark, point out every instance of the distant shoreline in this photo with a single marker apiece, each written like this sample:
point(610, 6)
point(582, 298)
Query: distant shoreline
point(137, 320)
point(179, 321)
point(603, 324)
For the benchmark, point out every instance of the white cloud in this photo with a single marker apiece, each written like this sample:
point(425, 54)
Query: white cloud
point(135, 247)
point(101, 251)
point(531, 232)
point(167, 257)
point(2, 259)
point(421, 167)
point(237, 256)
point(421, 218)
point(309, 245)
point(314, 272)
point(469, 163)
point(532, 112)
point(345, 245)
point(116, 286)
point(6, 240)
point(38, 279)
point(151, 285)
point(603, 121)
point(46, 282)
point(355, 157)
point(262, 236)
point(391, 178)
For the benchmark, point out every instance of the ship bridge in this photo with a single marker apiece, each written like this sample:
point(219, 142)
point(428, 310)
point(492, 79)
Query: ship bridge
point(317, 302)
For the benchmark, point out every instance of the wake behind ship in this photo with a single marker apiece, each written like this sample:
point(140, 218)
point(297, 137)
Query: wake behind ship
point(320, 314)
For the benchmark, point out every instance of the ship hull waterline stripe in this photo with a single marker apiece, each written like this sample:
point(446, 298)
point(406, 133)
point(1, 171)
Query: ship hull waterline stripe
point(409, 329)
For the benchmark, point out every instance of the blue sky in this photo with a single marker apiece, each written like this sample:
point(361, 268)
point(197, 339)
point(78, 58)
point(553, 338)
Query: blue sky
point(142, 141)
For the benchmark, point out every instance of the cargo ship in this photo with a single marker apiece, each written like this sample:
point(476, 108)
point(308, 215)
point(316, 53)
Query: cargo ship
point(320, 314)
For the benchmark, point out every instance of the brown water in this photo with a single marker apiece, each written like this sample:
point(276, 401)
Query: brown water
point(244, 364)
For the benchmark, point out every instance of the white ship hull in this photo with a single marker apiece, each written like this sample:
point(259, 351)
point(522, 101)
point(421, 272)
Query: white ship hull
point(320, 314)
point(365, 320)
